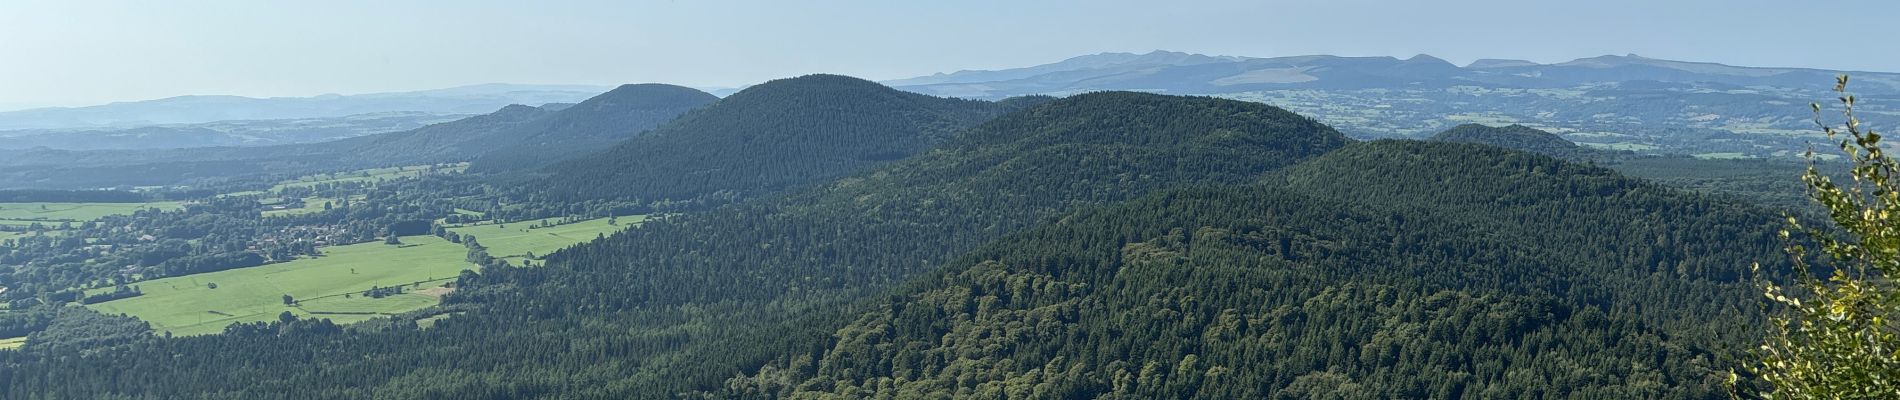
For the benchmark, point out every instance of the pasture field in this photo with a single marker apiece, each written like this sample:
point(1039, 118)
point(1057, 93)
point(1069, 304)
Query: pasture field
point(245, 193)
point(1721, 156)
point(27, 213)
point(12, 343)
point(4, 235)
point(310, 205)
point(372, 175)
point(187, 305)
point(512, 241)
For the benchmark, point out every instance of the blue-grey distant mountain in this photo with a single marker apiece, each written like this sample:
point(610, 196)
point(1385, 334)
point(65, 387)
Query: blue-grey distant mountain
point(1626, 102)
point(222, 133)
point(1181, 73)
point(515, 136)
point(1104, 63)
point(474, 99)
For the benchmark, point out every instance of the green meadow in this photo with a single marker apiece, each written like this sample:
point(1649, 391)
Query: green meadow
point(27, 213)
point(5, 235)
point(329, 286)
point(310, 205)
point(513, 241)
point(12, 343)
point(371, 175)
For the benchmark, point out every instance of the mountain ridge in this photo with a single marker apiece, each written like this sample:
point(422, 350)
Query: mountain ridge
point(471, 99)
point(1247, 291)
point(811, 128)
point(1100, 72)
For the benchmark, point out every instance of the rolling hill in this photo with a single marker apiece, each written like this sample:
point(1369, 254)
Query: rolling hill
point(1517, 137)
point(704, 294)
point(222, 133)
point(472, 99)
point(770, 137)
point(514, 136)
point(1626, 102)
point(596, 123)
point(1383, 270)
point(1182, 73)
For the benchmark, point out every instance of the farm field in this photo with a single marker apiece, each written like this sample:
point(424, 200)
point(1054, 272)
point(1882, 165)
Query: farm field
point(513, 241)
point(372, 175)
point(4, 235)
point(330, 286)
point(310, 205)
point(27, 213)
point(12, 343)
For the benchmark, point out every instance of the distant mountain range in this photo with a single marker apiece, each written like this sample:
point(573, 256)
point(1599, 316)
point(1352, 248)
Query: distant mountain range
point(513, 137)
point(222, 133)
point(1183, 73)
point(1612, 102)
point(1626, 102)
point(475, 99)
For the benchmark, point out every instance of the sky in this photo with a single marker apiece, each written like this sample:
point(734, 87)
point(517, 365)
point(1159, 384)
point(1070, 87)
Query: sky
point(83, 52)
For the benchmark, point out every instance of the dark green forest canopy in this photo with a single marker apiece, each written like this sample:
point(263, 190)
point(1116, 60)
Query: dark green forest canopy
point(1769, 182)
point(1116, 243)
point(1513, 137)
point(707, 296)
point(1365, 288)
point(598, 122)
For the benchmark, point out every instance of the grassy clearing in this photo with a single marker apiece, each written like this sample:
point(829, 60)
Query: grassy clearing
point(186, 305)
point(310, 205)
point(513, 241)
point(245, 193)
point(372, 175)
point(4, 236)
point(1721, 156)
point(27, 213)
point(429, 322)
point(1619, 146)
point(12, 343)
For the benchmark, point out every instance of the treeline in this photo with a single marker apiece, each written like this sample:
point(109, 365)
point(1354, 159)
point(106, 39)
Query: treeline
point(119, 292)
point(70, 196)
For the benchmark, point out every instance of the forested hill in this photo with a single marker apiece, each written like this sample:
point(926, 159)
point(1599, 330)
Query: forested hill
point(458, 140)
point(1768, 182)
point(879, 227)
point(780, 134)
point(593, 124)
point(1384, 270)
point(513, 137)
point(1513, 137)
point(534, 134)
point(685, 302)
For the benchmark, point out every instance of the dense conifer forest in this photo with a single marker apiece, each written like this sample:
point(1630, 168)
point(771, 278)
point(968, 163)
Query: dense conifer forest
point(865, 242)
point(771, 137)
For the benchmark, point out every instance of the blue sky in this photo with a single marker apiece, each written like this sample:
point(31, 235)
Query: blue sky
point(77, 52)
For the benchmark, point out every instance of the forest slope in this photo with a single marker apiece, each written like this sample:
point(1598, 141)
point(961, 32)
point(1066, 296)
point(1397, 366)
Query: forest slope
point(779, 134)
point(1409, 270)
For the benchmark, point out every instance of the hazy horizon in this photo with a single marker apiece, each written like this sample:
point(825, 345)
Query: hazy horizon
point(89, 53)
